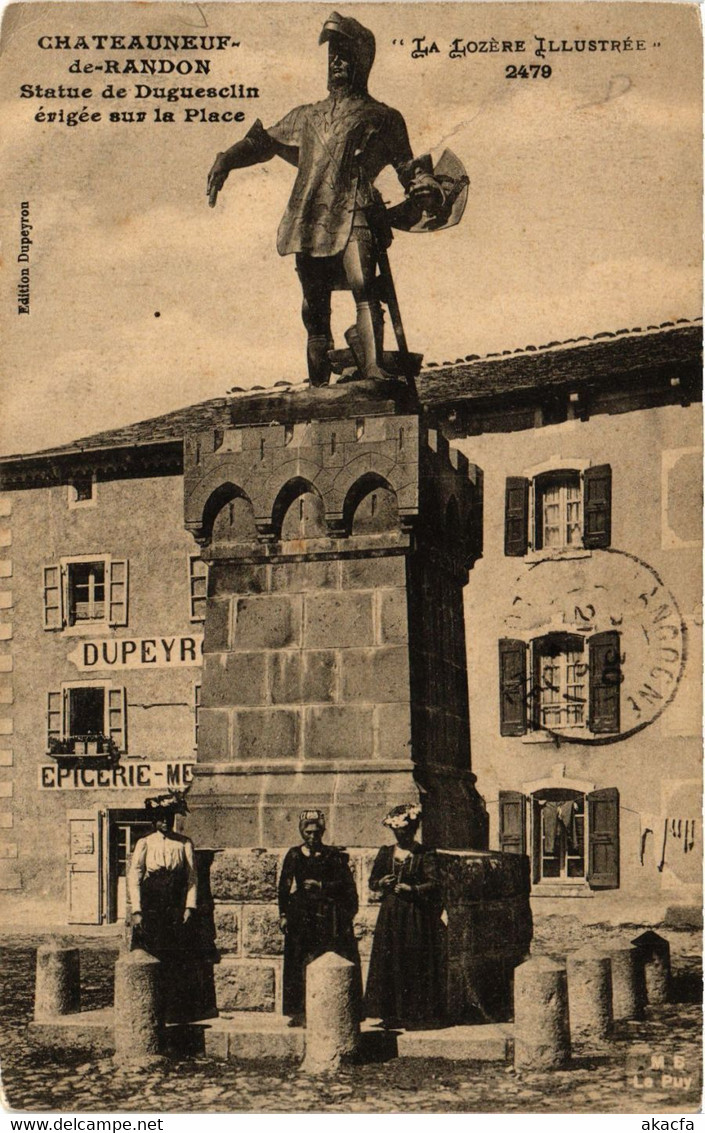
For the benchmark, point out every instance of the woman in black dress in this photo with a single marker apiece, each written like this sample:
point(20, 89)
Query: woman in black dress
point(406, 982)
point(317, 903)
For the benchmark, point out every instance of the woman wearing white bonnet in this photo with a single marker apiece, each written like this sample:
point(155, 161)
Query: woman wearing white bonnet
point(406, 982)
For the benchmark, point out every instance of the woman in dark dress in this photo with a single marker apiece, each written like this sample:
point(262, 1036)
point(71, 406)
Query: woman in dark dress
point(406, 982)
point(317, 903)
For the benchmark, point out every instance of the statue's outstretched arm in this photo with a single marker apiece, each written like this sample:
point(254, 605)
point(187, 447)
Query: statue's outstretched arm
point(255, 147)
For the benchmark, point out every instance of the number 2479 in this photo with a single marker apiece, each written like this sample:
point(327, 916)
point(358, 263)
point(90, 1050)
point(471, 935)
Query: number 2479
point(533, 71)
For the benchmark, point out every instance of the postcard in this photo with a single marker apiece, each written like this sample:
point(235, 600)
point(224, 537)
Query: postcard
point(350, 558)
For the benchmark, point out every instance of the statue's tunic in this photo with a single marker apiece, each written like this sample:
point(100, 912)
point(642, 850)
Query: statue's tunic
point(340, 146)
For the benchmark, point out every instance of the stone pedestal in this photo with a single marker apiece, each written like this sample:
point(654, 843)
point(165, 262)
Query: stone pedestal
point(590, 997)
point(139, 1021)
point(58, 982)
point(628, 990)
point(654, 953)
point(334, 668)
point(541, 1027)
point(332, 1013)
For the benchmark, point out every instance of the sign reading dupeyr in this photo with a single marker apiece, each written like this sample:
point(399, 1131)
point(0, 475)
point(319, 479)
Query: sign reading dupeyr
point(137, 652)
point(129, 776)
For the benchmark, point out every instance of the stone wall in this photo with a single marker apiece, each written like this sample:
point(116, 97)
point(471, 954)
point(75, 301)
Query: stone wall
point(486, 896)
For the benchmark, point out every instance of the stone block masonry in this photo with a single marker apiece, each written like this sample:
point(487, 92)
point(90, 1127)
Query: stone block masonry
point(334, 653)
point(486, 901)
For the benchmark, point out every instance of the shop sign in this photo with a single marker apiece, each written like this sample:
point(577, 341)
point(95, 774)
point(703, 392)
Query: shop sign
point(137, 652)
point(129, 776)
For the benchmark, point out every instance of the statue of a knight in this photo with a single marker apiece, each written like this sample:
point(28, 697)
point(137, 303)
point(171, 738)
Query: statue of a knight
point(335, 222)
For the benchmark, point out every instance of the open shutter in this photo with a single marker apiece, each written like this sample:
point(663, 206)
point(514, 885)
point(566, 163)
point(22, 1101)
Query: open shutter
point(117, 717)
point(603, 839)
point(535, 840)
point(512, 687)
point(605, 681)
point(118, 592)
point(516, 516)
point(54, 716)
point(512, 822)
point(597, 506)
point(53, 618)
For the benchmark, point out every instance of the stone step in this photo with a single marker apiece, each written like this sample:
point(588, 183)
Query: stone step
point(90, 1031)
point(486, 1042)
point(255, 1035)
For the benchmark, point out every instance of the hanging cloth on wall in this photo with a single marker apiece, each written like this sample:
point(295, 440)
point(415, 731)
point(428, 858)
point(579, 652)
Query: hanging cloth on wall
point(550, 827)
point(566, 816)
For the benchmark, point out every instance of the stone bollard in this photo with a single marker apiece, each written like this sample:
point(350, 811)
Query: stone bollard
point(655, 958)
point(627, 982)
point(590, 997)
point(332, 1013)
point(139, 1021)
point(58, 987)
point(541, 1029)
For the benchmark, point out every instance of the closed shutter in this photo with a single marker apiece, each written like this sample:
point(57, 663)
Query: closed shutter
point(512, 822)
point(516, 516)
point(603, 839)
point(597, 506)
point(605, 681)
point(54, 716)
point(512, 687)
point(118, 593)
point(53, 618)
point(117, 717)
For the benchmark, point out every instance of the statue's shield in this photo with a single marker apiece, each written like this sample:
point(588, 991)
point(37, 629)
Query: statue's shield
point(411, 216)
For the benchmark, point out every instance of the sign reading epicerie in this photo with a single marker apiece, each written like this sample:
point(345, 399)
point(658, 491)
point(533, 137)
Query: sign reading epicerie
point(137, 652)
point(137, 775)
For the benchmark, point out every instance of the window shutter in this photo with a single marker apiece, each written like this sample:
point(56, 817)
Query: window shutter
point(597, 506)
point(512, 822)
point(535, 840)
point(603, 839)
point(53, 618)
point(117, 717)
point(118, 592)
point(54, 716)
point(516, 516)
point(196, 713)
point(605, 681)
point(512, 687)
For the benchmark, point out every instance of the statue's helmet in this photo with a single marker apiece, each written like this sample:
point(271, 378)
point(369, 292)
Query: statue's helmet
point(360, 40)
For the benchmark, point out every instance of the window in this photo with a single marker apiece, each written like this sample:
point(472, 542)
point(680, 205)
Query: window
point(82, 490)
point(574, 836)
point(86, 592)
point(558, 820)
point(198, 588)
point(82, 718)
point(79, 592)
point(559, 510)
point(560, 682)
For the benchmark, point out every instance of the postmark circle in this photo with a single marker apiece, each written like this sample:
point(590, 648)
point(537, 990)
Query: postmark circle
point(621, 598)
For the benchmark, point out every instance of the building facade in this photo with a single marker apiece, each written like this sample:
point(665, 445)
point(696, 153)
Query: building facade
point(583, 617)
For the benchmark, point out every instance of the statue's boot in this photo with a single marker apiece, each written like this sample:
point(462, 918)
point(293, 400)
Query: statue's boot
point(317, 357)
point(370, 330)
point(353, 340)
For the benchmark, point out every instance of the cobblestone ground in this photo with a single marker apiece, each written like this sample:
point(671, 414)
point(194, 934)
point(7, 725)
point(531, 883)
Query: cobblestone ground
point(36, 1080)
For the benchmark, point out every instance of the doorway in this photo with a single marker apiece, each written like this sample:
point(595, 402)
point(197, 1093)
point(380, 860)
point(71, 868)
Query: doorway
point(125, 828)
